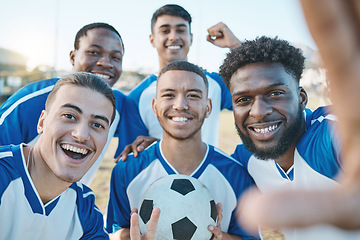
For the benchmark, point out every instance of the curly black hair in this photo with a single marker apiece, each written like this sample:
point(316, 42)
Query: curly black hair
point(263, 50)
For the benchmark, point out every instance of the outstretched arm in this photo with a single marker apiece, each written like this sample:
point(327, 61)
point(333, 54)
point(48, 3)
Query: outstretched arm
point(220, 35)
point(335, 27)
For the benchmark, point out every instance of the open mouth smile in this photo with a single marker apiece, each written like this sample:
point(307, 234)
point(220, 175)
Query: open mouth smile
point(173, 47)
point(266, 129)
point(179, 119)
point(74, 152)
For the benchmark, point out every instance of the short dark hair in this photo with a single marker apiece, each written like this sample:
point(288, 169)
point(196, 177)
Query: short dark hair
point(83, 31)
point(263, 50)
point(87, 80)
point(185, 66)
point(173, 10)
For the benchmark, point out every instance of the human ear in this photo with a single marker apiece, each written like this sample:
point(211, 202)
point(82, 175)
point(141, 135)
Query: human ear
point(154, 107)
point(151, 37)
point(303, 97)
point(72, 57)
point(41, 122)
point(208, 108)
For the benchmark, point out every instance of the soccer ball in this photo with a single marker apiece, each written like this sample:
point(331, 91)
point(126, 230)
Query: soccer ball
point(186, 208)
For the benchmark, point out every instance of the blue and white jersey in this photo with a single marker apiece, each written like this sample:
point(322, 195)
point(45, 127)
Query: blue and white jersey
point(71, 215)
point(225, 178)
point(218, 93)
point(316, 166)
point(19, 116)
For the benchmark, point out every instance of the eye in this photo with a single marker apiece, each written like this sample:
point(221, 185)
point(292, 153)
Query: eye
point(242, 100)
point(276, 93)
point(165, 31)
point(93, 52)
point(118, 59)
point(194, 95)
point(167, 95)
point(98, 125)
point(69, 116)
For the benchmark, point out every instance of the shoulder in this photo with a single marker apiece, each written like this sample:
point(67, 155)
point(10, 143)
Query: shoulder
point(318, 116)
point(226, 163)
point(134, 165)
point(84, 193)
point(319, 124)
point(118, 94)
point(215, 76)
point(90, 216)
point(42, 86)
point(35, 90)
point(85, 201)
point(8, 170)
point(241, 154)
point(233, 170)
point(144, 84)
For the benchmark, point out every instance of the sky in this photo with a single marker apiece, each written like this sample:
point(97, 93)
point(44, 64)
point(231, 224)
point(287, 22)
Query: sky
point(44, 30)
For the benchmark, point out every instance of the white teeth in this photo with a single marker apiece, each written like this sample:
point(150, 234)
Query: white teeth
point(173, 47)
point(102, 76)
point(179, 119)
point(74, 149)
point(266, 130)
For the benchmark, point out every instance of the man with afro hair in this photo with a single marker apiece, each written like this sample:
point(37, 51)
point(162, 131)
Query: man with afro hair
point(285, 145)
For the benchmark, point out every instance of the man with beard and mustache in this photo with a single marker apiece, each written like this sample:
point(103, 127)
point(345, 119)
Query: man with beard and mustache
point(98, 49)
point(181, 106)
point(284, 145)
point(332, 24)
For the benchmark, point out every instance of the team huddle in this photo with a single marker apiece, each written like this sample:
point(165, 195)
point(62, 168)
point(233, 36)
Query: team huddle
point(54, 134)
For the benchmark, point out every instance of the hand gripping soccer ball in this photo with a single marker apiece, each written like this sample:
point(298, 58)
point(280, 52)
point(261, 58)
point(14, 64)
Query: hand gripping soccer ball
point(186, 208)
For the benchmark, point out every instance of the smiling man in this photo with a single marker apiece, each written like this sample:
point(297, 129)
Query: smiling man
point(181, 105)
point(172, 37)
point(40, 197)
point(98, 49)
point(284, 143)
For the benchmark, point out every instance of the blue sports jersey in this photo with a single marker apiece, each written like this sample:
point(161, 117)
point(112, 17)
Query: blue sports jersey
point(71, 215)
point(19, 116)
point(225, 178)
point(218, 93)
point(316, 166)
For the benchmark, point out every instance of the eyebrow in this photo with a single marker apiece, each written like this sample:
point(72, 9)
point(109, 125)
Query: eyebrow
point(98, 46)
point(76, 108)
point(268, 87)
point(178, 25)
point(188, 90)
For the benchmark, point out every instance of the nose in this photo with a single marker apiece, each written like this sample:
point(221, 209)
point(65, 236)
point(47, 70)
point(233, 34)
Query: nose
point(180, 103)
point(81, 132)
point(105, 61)
point(260, 108)
point(173, 36)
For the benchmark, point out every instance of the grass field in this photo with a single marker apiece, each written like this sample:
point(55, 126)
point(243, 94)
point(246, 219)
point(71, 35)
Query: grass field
point(228, 142)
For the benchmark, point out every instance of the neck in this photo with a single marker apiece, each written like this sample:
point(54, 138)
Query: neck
point(286, 160)
point(184, 155)
point(46, 183)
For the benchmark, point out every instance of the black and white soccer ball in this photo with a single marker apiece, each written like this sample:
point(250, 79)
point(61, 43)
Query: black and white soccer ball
point(186, 208)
